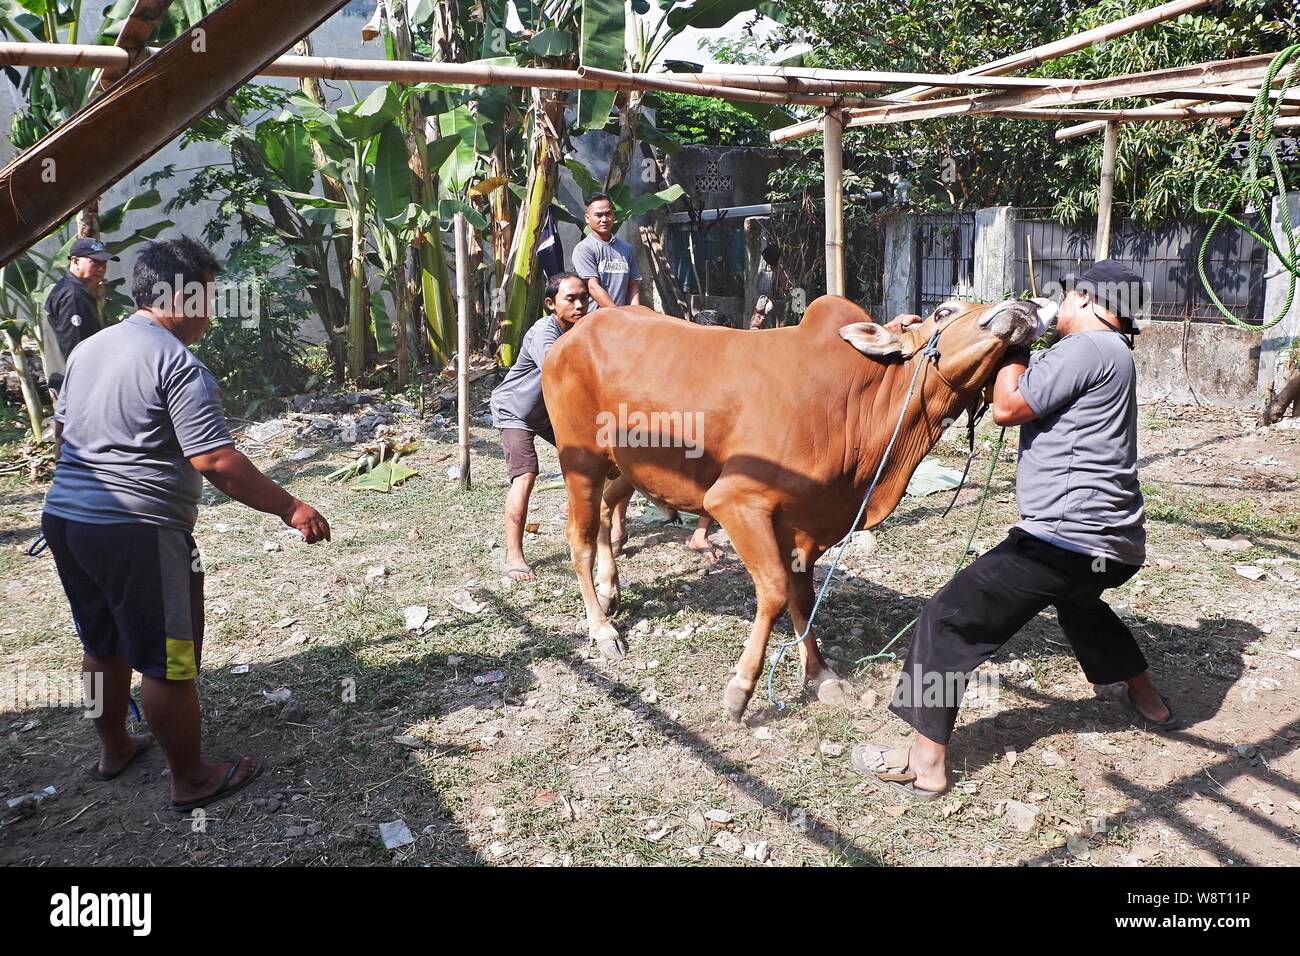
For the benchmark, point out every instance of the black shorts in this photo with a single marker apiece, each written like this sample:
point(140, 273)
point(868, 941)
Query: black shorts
point(135, 590)
point(517, 444)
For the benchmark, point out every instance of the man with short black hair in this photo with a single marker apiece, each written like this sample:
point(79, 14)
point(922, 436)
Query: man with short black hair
point(1081, 532)
point(605, 261)
point(613, 280)
point(138, 426)
point(71, 313)
point(519, 409)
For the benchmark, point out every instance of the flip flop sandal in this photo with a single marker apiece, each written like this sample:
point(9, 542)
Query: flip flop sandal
point(225, 790)
point(887, 769)
point(140, 748)
point(1168, 725)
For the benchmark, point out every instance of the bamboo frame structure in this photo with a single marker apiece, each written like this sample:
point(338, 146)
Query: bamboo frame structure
point(1181, 78)
point(1071, 44)
point(1033, 57)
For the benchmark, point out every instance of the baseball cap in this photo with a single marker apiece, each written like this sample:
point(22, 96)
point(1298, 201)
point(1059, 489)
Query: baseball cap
point(88, 248)
point(1118, 288)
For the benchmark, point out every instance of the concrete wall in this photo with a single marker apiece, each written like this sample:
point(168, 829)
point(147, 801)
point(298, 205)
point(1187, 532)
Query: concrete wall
point(1197, 362)
point(1275, 364)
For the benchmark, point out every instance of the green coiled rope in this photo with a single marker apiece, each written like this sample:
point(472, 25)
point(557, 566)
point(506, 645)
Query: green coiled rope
point(1262, 177)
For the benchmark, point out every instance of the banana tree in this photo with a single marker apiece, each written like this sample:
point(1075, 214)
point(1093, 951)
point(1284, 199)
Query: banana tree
point(26, 281)
point(604, 29)
point(397, 222)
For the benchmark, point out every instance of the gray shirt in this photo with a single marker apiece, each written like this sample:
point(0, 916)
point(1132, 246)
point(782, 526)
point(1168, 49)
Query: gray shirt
point(1077, 480)
point(136, 404)
point(611, 262)
point(517, 402)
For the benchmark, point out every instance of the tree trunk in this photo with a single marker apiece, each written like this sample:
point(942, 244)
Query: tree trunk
point(26, 381)
point(357, 282)
point(629, 118)
point(542, 181)
point(1290, 395)
point(401, 322)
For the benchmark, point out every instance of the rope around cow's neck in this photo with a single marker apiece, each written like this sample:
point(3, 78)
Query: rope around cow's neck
point(884, 652)
point(930, 350)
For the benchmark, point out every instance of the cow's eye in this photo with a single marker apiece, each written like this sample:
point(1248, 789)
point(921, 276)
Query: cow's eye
point(942, 313)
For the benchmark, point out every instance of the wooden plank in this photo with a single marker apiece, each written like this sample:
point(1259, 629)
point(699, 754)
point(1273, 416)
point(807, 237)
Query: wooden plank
point(46, 185)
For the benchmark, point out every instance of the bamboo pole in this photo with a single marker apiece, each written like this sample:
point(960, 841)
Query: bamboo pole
point(1138, 84)
point(1194, 99)
point(870, 80)
point(767, 89)
point(1178, 110)
point(830, 83)
point(833, 161)
point(462, 347)
point(1106, 193)
point(612, 79)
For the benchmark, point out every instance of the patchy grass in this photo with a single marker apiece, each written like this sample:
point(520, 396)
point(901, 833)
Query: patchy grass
point(1217, 516)
point(571, 759)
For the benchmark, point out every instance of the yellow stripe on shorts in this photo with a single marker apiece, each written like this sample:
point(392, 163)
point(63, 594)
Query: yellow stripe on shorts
point(180, 660)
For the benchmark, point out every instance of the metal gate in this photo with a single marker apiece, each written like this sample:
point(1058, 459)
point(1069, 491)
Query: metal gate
point(945, 259)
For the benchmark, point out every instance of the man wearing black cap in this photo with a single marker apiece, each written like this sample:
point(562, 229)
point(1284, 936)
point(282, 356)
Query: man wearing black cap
point(1080, 533)
point(72, 307)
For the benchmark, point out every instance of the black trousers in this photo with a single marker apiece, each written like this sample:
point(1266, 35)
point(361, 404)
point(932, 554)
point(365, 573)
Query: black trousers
point(980, 609)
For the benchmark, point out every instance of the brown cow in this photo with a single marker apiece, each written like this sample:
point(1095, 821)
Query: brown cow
point(777, 435)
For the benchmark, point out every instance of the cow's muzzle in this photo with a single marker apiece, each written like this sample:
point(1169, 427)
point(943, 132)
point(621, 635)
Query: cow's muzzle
point(1019, 321)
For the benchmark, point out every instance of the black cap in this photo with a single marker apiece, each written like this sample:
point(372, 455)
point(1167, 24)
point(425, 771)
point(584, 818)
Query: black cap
point(88, 248)
point(1118, 288)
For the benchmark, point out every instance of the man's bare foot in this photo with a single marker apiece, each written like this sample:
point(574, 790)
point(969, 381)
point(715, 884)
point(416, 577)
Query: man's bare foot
point(928, 761)
point(216, 780)
point(520, 571)
point(705, 548)
point(111, 765)
point(1147, 700)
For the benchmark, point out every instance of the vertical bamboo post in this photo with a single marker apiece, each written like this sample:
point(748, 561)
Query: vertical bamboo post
point(462, 347)
point(1106, 192)
point(833, 153)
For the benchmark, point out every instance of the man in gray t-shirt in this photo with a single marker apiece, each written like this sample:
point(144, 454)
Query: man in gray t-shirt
point(1080, 533)
point(519, 409)
point(605, 261)
point(137, 429)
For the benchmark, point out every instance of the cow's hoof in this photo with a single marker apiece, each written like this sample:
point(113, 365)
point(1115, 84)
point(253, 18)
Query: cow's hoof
point(608, 602)
point(610, 643)
point(734, 701)
point(836, 691)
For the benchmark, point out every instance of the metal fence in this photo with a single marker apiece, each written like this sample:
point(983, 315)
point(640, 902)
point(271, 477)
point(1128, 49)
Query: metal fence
point(945, 259)
point(800, 233)
point(1165, 256)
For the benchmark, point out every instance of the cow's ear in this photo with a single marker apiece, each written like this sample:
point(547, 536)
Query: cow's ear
point(876, 341)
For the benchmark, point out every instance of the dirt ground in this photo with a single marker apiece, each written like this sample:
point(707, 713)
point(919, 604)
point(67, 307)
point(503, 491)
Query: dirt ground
point(571, 759)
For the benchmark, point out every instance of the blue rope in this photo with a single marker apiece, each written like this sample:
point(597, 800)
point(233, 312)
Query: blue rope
point(931, 350)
